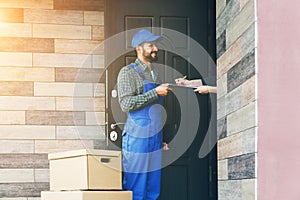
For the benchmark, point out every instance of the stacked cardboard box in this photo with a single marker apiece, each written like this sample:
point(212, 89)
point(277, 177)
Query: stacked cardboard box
point(86, 175)
point(87, 195)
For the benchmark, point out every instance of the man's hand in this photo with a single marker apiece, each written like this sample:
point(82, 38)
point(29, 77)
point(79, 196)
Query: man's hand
point(163, 90)
point(165, 146)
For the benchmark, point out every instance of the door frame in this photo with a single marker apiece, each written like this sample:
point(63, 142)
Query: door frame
point(212, 51)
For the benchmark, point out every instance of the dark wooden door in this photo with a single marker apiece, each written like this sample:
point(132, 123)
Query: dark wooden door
point(185, 176)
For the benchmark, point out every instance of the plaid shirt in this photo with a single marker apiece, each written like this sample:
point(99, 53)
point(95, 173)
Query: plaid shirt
point(130, 87)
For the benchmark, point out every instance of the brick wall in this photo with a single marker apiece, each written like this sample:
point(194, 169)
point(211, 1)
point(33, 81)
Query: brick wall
point(237, 99)
point(51, 98)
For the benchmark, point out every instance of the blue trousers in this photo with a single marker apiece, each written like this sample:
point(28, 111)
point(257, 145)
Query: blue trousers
point(142, 166)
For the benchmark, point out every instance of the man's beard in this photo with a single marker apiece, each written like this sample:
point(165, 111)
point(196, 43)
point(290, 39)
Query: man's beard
point(151, 57)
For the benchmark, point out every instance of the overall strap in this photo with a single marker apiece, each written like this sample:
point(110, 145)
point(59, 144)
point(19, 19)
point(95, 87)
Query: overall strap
point(138, 70)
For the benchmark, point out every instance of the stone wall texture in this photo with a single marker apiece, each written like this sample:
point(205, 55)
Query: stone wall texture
point(237, 99)
point(51, 96)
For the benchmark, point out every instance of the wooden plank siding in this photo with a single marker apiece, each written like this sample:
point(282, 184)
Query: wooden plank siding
point(15, 15)
point(51, 99)
point(87, 5)
point(37, 4)
point(16, 88)
point(16, 44)
point(59, 118)
point(24, 161)
point(78, 75)
point(13, 190)
point(237, 99)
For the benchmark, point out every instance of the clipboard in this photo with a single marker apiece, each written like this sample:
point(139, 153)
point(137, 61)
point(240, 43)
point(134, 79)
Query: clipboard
point(171, 85)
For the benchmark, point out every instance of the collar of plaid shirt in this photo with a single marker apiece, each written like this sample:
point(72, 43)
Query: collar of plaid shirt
point(144, 68)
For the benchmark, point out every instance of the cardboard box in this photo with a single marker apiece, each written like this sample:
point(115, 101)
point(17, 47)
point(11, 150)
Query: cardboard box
point(86, 170)
point(86, 195)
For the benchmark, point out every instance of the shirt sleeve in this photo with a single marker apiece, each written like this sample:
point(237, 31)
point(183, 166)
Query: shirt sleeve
point(129, 98)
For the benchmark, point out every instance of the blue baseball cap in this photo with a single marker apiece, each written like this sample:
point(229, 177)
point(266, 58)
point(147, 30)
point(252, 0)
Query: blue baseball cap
point(142, 36)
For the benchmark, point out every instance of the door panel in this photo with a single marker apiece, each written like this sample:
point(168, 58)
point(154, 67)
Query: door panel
point(179, 187)
point(188, 177)
point(132, 22)
point(180, 24)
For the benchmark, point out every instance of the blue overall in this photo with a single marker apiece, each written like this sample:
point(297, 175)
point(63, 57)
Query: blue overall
point(141, 148)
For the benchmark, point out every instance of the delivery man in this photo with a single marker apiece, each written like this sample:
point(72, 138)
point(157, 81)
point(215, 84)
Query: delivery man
point(141, 96)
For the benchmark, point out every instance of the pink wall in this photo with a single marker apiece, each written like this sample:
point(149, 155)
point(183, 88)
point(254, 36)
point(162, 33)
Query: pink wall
point(278, 100)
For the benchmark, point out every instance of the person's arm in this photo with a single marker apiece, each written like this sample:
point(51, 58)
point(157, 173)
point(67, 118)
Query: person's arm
point(127, 88)
point(204, 89)
point(188, 83)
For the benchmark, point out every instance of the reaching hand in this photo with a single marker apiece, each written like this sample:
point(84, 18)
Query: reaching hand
point(206, 89)
point(163, 90)
point(202, 89)
point(188, 83)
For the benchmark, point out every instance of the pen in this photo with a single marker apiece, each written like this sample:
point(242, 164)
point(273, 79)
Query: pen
point(184, 77)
